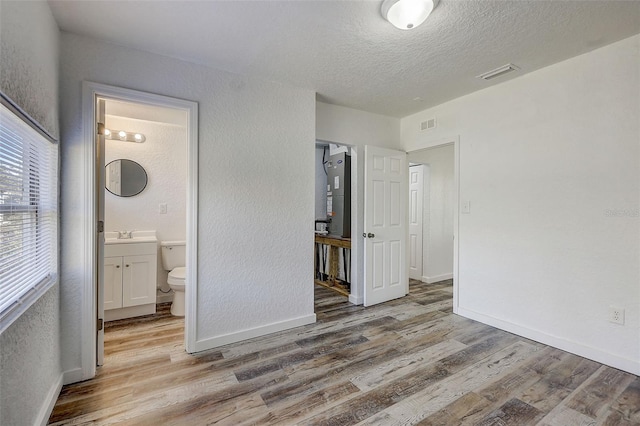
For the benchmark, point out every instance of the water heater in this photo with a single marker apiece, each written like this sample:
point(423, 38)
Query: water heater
point(339, 195)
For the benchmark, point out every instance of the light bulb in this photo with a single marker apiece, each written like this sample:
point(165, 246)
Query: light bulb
point(122, 134)
point(107, 132)
point(138, 136)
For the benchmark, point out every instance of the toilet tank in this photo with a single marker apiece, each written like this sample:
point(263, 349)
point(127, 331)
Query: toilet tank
point(174, 254)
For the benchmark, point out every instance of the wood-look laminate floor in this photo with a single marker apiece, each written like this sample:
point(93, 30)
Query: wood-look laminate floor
point(409, 361)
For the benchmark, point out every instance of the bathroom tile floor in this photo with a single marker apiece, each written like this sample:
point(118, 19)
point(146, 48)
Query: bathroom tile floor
point(408, 361)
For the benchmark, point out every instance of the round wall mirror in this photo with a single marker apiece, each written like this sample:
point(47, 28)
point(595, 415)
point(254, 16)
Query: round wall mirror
point(125, 178)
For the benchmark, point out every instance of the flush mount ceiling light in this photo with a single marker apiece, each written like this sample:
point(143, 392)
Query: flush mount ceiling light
point(121, 135)
point(407, 14)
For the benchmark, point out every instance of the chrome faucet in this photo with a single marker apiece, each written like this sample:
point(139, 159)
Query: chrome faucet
point(124, 235)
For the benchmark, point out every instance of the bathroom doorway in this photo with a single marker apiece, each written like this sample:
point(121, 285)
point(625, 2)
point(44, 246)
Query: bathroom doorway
point(151, 140)
point(145, 194)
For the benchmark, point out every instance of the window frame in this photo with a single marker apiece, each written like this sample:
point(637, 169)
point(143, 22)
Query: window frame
point(34, 206)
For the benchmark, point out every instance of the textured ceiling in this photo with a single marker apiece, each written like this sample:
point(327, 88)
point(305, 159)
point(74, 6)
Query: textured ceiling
point(346, 51)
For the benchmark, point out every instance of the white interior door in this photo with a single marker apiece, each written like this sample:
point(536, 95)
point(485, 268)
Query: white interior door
point(385, 230)
point(416, 205)
point(100, 177)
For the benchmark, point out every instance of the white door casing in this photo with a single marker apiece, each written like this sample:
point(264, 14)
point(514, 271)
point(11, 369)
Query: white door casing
point(88, 196)
point(416, 205)
point(385, 230)
point(100, 179)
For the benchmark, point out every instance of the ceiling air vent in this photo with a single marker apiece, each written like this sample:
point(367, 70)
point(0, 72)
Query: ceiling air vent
point(498, 72)
point(428, 125)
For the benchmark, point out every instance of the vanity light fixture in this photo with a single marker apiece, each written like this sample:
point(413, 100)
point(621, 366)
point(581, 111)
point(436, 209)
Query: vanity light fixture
point(407, 14)
point(121, 135)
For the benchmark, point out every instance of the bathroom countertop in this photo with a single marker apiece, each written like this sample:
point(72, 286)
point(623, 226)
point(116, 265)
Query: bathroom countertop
point(136, 237)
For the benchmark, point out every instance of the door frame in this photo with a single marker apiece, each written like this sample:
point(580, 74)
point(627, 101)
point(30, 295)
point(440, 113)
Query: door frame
point(356, 295)
point(455, 141)
point(423, 168)
point(90, 91)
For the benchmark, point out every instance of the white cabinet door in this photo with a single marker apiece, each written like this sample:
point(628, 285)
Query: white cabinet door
point(139, 280)
point(112, 282)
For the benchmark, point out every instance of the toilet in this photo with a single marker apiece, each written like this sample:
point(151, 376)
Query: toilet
point(173, 260)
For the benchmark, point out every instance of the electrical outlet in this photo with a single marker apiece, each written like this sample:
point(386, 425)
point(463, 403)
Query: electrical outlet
point(616, 315)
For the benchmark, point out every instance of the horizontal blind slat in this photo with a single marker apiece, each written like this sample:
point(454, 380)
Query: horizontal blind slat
point(28, 209)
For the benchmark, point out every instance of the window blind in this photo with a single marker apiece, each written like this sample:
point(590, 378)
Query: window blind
point(28, 212)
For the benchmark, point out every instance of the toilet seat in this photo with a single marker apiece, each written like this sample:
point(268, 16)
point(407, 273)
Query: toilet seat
point(177, 275)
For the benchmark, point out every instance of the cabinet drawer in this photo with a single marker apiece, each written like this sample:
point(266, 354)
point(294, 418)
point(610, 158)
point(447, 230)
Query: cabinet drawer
point(132, 249)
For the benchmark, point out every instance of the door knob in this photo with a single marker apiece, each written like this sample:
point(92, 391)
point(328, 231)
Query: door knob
point(370, 235)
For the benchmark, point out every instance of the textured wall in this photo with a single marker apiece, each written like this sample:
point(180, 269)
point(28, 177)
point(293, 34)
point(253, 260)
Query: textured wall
point(350, 126)
point(438, 232)
point(30, 362)
point(29, 67)
point(256, 184)
point(551, 164)
point(164, 157)
point(30, 347)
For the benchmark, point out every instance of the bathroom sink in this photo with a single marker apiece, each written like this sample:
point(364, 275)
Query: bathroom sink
point(113, 237)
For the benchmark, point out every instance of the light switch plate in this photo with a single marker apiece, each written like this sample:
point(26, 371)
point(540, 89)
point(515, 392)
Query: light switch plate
point(466, 207)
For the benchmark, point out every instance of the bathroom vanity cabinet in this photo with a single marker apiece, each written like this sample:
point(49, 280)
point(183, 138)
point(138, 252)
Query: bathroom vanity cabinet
point(130, 270)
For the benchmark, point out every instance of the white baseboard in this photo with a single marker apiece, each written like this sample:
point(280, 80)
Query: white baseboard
point(356, 300)
point(214, 342)
point(72, 376)
point(437, 278)
point(629, 365)
point(49, 402)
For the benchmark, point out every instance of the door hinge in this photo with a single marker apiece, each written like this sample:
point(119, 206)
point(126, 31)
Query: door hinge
point(101, 129)
point(100, 226)
point(100, 324)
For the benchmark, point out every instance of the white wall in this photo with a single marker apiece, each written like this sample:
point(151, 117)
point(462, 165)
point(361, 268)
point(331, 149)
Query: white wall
point(348, 126)
point(29, 50)
point(30, 372)
point(550, 164)
point(164, 157)
point(437, 263)
point(256, 184)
